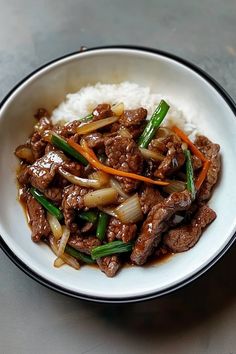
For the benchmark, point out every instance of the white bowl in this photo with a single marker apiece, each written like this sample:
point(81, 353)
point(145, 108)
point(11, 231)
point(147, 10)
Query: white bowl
point(193, 92)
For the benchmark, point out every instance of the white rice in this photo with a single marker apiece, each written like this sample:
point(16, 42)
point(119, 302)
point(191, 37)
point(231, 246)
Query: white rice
point(82, 103)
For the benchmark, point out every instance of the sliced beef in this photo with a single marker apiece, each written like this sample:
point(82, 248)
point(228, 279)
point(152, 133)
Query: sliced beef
point(43, 124)
point(212, 152)
point(54, 194)
point(149, 197)
point(133, 120)
point(44, 169)
point(109, 265)
point(174, 158)
point(73, 200)
point(196, 162)
point(94, 140)
point(37, 145)
point(23, 176)
point(73, 167)
point(117, 230)
point(69, 129)
point(38, 222)
point(49, 148)
point(102, 111)
point(184, 237)
point(156, 223)
point(123, 154)
point(84, 244)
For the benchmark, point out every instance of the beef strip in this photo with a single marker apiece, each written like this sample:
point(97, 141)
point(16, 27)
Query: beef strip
point(148, 197)
point(174, 159)
point(117, 230)
point(196, 162)
point(102, 111)
point(43, 124)
point(94, 140)
point(37, 145)
point(44, 169)
point(73, 167)
point(212, 152)
point(123, 154)
point(73, 200)
point(109, 265)
point(69, 129)
point(185, 237)
point(38, 222)
point(23, 176)
point(84, 244)
point(54, 194)
point(133, 120)
point(156, 223)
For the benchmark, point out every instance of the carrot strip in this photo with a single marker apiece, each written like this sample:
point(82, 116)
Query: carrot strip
point(97, 164)
point(191, 146)
point(202, 174)
point(88, 150)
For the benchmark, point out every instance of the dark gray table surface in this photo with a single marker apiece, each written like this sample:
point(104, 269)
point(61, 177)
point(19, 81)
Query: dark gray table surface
point(201, 318)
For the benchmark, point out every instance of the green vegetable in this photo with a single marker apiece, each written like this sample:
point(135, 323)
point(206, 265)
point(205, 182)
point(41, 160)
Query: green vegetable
point(52, 209)
point(189, 174)
point(78, 255)
point(102, 225)
point(153, 124)
point(87, 118)
point(90, 216)
point(111, 248)
point(61, 144)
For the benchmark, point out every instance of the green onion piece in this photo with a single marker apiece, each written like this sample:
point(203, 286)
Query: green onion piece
point(189, 174)
point(111, 248)
point(102, 225)
point(78, 255)
point(86, 119)
point(62, 144)
point(90, 216)
point(153, 124)
point(52, 209)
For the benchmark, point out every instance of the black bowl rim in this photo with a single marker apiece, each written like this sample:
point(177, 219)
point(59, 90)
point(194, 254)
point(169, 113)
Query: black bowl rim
point(18, 262)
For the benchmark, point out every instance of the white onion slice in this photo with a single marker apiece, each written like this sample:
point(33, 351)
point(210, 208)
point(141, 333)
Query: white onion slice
point(100, 176)
point(25, 153)
point(115, 184)
point(103, 196)
point(63, 241)
point(83, 182)
point(118, 109)
point(124, 132)
point(174, 186)
point(154, 155)
point(90, 127)
point(54, 225)
point(130, 210)
point(58, 262)
point(65, 257)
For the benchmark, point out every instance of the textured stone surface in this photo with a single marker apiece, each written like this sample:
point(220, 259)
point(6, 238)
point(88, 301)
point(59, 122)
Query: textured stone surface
point(201, 318)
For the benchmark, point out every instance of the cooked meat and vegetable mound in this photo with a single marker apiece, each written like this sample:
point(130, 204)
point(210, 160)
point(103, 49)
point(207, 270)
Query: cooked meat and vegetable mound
point(114, 187)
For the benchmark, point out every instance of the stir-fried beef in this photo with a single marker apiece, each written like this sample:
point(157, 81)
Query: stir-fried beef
point(44, 169)
point(149, 197)
point(174, 159)
point(38, 222)
point(133, 120)
point(156, 223)
point(84, 244)
point(117, 230)
point(102, 111)
point(73, 199)
point(94, 140)
point(109, 265)
point(212, 152)
point(123, 154)
point(37, 145)
point(169, 224)
point(184, 237)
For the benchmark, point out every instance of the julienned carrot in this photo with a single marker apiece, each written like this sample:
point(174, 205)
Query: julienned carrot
point(88, 150)
point(97, 164)
point(202, 174)
point(191, 146)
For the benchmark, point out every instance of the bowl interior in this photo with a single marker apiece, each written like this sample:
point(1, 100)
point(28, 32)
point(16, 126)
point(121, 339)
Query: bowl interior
point(189, 92)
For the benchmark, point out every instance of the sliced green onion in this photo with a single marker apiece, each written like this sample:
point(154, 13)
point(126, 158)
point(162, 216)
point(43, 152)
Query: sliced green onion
point(52, 209)
point(87, 118)
point(62, 144)
point(90, 216)
point(189, 174)
point(78, 255)
point(102, 225)
point(153, 124)
point(110, 248)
